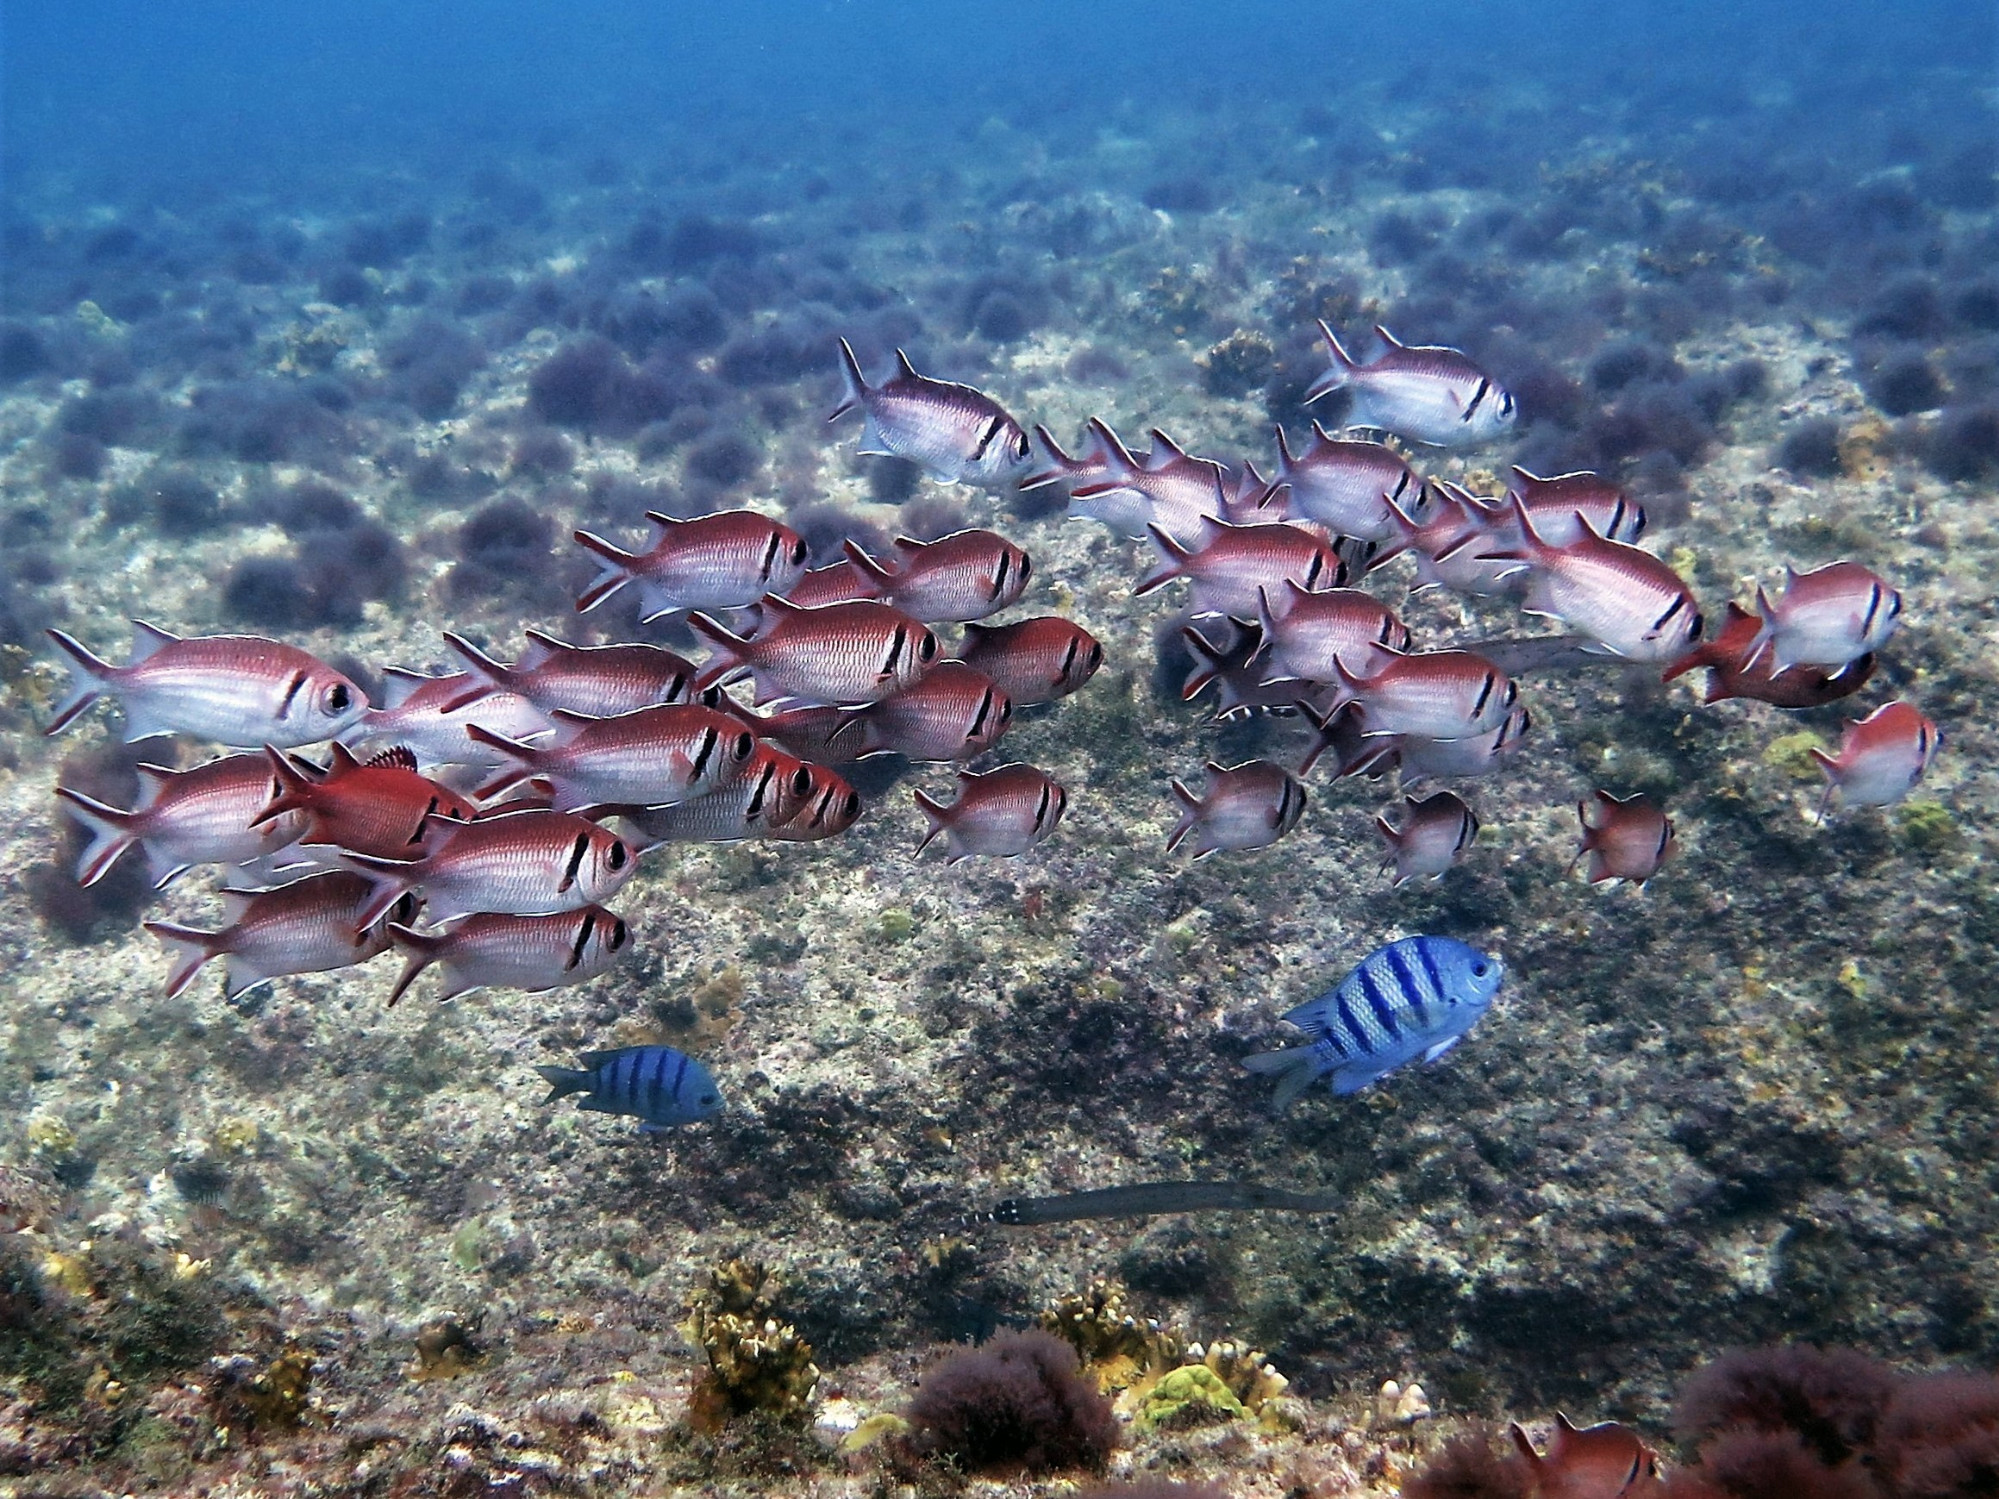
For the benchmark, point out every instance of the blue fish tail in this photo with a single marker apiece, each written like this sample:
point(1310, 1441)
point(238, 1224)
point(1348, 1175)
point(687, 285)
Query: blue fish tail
point(562, 1081)
point(1296, 1068)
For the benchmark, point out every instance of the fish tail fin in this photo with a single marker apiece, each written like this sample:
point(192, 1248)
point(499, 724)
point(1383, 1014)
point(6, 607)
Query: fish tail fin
point(88, 674)
point(1341, 372)
point(1173, 566)
point(1296, 1068)
point(188, 948)
point(563, 1081)
point(731, 650)
point(420, 950)
point(854, 385)
point(110, 833)
point(1190, 814)
point(389, 881)
point(1056, 464)
point(489, 676)
point(1830, 766)
point(935, 813)
point(1766, 629)
point(525, 757)
point(616, 566)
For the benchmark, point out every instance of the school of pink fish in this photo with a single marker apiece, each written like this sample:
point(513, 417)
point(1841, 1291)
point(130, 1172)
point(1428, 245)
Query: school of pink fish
point(478, 822)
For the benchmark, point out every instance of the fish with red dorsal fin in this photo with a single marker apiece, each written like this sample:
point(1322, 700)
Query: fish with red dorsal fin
point(1345, 484)
point(1033, 660)
point(1245, 806)
point(1434, 835)
point(1736, 669)
point(314, 925)
point(1424, 392)
point(1309, 632)
point(1230, 566)
point(418, 713)
point(380, 806)
point(827, 810)
point(239, 690)
point(531, 862)
point(601, 680)
point(491, 951)
point(1554, 503)
point(1428, 694)
point(1625, 838)
point(1829, 616)
point(843, 655)
point(954, 713)
point(841, 582)
point(998, 813)
point(1605, 1461)
point(185, 817)
point(954, 579)
point(956, 434)
point(648, 758)
point(770, 790)
point(1881, 756)
point(1451, 543)
point(727, 560)
point(1626, 600)
point(1232, 662)
point(1168, 488)
point(1462, 759)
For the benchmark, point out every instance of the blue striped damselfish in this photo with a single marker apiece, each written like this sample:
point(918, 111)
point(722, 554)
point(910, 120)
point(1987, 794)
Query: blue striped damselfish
point(1412, 998)
point(657, 1084)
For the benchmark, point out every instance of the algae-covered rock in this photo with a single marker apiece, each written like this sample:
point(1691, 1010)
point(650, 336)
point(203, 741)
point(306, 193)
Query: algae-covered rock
point(1191, 1396)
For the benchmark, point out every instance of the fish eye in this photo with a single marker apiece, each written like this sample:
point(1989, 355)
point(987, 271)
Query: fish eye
point(1480, 969)
point(801, 782)
point(799, 553)
point(746, 743)
point(404, 910)
point(338, 698)
point(1027, 571)
point(1694, 626)
point(852, 806)
point(1506, 403)
point(1006, 713)
point(709, 1100)
point(1096, 657)
point(616, 857)
point(620, 934)
point(926, 649)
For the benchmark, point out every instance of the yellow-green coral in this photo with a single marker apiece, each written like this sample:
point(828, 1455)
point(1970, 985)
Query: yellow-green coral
point(1191, 1396)
point(755, 1362)
point(1115, 1346)
point(1246, 1372)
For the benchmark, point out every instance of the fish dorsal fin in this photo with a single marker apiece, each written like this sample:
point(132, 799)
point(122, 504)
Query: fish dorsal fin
point(866, 566)
point(1162, 443)
point(147, 639)
point(1529, 482)
point(1319, 431)
point(395, 757)
point(664, 521)
point(1113, 451)
point(235, 903)
point(1284, 458)
point(398, 683)
point(542, 648)
point(903, 367)
point(153, 782)
point(1389, 340)
point(341, 761)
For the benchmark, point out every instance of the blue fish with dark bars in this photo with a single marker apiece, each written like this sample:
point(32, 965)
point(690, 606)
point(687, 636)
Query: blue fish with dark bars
point(661, 1085)
point(1413, 998)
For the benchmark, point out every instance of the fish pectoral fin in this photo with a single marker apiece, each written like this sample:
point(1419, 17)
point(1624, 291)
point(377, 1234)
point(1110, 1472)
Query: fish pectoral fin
point(873, 444)
point(1440, 1048)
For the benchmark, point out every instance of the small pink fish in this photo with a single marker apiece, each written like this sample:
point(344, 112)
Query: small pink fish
point(535, 953)
point(1345, 485)
point(1434, 835)
point(1430, 695)
point(998, 813)
point(1605, 1461)
point(1423, 392)
point(958, 435)
point(234, 689)
point(768, 792)
point(1451, 543)
point(1462, 759)
point(532, 862)
point(1169, 489)
point(1881, 756)
point(647, 758)
point(828, 809)
point(1033, 660)
point(964, 576)
point(1231, 566)
point(382, 807)
point(1243, 806)
point(1309, 632)
point(313, 925)
point(1827, 617)
point(1232, 662)
point(954, 713)
point(844, 655)
point(418, 713)
point(1626, 838)
point(600, 680)
point(1737, 667)
point(207, 815)
point(840, 583)
point(1627, 601)
point(727, 560)
point(1554, 503)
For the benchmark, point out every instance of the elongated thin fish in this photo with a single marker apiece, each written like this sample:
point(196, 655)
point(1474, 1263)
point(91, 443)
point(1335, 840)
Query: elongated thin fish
point(491, 951)
point(660, 1085)
point(958, 435)
point(1149, 1199)
point(1415, 997)
point(1423, 392)
point(313, 925)
point(727, 560)
point(600, 680)
point(239, 690)
point(207, 815)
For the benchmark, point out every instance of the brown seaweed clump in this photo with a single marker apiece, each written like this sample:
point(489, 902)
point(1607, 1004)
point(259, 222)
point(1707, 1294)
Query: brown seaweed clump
point(755, 1362)
point(1241, 363)
point(271, 1397)
point(1017, 1404)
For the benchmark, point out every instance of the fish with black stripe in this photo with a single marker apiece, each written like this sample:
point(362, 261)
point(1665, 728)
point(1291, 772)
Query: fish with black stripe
point(1415, 997)
point(659, 1085)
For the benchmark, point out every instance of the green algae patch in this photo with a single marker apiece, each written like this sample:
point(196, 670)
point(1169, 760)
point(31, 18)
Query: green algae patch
point(1193, 1396)
point(1791, 755)
point(1927, 826)
point(897, 925)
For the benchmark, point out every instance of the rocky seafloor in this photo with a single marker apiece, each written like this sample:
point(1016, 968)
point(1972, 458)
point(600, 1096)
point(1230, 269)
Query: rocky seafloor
point(1753, 1102)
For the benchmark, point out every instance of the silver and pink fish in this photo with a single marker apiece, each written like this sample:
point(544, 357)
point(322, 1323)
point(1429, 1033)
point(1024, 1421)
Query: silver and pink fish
point(206, 815)
point(1881, 756)
point(838, 583)
point(601, 680)
point(313, 925)
point(239, 690)
point(843, 655)
point(1554, 503)
point(493, 951)
point(829, 809)
point(430, 716)
point(1345, 485)
point(1308, 632)
point(727, 560)
point(650, 757)
point(765, 794)
point(954, 579)
point(1429, 695)
point(956, 434)
point(1033, 660)
point(1424, 392)
point(1451, 541)
point(1231, 566)
point(532, 862)
point(1433, 836)
point(1624, 838)
point(1462, 759)
point(954, 713)
point(1830, 616)
point(1245, 806)
point(998, 813)
point(1170, 489)
point(1626, 600)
